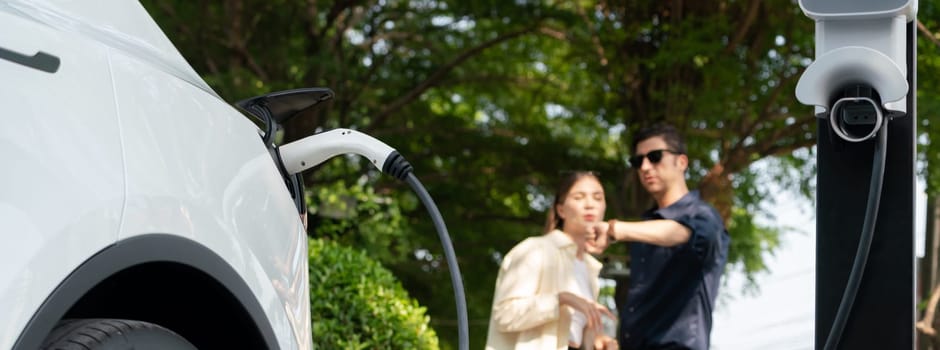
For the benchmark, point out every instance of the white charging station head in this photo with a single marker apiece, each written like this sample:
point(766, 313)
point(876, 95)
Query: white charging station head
point(858, 9)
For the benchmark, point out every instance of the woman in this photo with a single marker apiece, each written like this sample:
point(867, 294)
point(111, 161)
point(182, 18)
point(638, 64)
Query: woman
point(547, 285)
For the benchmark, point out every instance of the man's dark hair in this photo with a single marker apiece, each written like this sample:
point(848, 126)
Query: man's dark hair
point(666, 131)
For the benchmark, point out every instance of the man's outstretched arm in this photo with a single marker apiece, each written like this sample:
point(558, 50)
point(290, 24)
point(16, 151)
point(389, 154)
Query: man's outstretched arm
point(662, 232)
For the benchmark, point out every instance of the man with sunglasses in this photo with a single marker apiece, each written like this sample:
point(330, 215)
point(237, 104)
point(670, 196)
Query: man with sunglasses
point(677, 253)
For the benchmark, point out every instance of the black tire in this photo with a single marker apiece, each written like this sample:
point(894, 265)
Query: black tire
point(112, 334)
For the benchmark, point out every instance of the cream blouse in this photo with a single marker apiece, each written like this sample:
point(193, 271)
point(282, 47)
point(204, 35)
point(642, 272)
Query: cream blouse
point(526, 313)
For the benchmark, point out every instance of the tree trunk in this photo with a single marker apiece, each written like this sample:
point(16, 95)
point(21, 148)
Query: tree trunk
point(929, 339)
point(716, 188)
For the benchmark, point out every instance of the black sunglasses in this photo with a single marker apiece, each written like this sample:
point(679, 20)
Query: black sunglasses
point(654, 157)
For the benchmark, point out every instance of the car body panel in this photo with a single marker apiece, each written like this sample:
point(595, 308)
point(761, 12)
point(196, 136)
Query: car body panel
point(123, 140)
point(119, 24)
point(213, 182)
point(62, 192)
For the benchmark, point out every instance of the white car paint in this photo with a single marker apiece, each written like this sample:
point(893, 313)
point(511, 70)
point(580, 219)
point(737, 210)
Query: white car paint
point(125, 139)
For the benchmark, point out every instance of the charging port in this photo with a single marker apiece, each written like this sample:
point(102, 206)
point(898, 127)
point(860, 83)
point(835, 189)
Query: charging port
point(858, 113)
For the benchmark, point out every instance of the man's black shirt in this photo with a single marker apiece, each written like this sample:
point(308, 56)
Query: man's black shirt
point(672, 289)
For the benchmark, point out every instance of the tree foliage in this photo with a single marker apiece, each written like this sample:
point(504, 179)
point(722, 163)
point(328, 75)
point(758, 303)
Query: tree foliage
point(490, 100)
point(928, 84)
point(928, 107)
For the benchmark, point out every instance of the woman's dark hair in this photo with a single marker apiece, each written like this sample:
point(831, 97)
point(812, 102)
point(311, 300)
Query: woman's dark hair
point(666, 131)
point(553, 221)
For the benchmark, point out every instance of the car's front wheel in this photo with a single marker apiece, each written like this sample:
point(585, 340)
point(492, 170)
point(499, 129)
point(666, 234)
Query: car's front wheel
point(112, 334)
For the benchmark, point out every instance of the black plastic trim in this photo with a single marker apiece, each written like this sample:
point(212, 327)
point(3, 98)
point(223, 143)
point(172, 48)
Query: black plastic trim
point(134, 251)
point(40, 61)
point(397, 166)
point(286, 104)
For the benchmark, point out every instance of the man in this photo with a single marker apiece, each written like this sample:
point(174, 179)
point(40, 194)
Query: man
point(677, 254)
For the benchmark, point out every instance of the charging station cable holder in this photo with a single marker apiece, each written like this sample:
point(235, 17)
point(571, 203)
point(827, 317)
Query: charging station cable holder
point(851, 81)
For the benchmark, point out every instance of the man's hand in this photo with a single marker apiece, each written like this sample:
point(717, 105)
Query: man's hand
point(598, 237)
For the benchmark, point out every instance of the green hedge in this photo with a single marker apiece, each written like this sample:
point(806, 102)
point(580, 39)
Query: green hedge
point(356, 303)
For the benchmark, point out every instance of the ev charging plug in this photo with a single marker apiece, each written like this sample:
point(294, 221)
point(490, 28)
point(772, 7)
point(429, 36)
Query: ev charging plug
point(292, 159)
point(310, 151)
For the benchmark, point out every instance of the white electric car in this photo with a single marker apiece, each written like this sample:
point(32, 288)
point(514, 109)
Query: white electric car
point(136, 206)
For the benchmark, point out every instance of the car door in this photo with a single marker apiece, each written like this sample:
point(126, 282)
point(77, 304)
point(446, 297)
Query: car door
point(62, 178)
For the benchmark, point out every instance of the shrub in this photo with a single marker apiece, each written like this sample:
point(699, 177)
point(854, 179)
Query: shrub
point(356, 303)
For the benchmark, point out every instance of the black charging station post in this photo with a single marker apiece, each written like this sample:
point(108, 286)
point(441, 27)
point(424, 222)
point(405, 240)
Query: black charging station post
point(884, 309)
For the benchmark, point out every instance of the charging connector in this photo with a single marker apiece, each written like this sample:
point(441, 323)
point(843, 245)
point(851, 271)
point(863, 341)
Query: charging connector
point(310, 151)
point(856, 116)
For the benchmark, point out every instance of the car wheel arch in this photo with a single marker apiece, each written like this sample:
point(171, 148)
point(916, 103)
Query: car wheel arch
point(174, 273)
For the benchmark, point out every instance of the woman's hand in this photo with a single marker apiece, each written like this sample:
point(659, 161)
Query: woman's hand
point(592, 311)
point(603, 342)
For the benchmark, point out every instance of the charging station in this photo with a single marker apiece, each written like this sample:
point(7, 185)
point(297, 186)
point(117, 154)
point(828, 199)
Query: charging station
point(863, 87)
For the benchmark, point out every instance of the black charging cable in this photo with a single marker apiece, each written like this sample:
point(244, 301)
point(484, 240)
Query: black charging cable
point(864, 243)
point(397, 166)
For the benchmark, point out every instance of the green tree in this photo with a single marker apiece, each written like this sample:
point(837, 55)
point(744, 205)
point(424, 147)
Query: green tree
point(490, 100)
point(928, 107)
